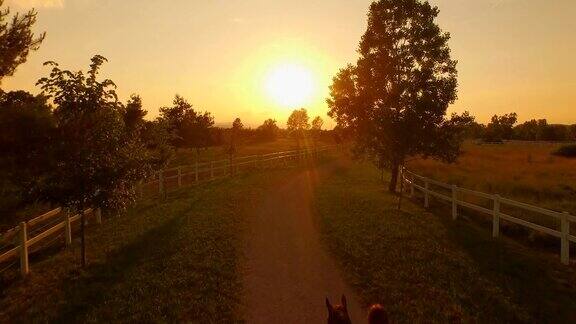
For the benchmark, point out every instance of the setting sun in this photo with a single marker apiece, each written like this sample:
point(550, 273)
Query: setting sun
point(290, 85)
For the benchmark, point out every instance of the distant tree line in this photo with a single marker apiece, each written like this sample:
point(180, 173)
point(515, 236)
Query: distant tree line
point(505, 127)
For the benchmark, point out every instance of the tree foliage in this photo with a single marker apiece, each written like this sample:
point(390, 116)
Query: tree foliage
point(298, 123)
point(98, 161)
point(540, 130)
point(268, 131)
point(395, 98)
point(189, 128)
point(234, 139)
point(500, 127)
point(133, 114)
point(316, 128)
point(27, 132)
point(16, 39)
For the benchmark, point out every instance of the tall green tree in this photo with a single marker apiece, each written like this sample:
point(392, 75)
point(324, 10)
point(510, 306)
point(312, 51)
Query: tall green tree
point(298, 124)
point(197, 131)
point(134, 113)
point(16, 39)
point(316, 128)
point(394, 100)
point(268, 131)
point(98, 161)
point(175, 118)
point(189, 127)
point(235, 133)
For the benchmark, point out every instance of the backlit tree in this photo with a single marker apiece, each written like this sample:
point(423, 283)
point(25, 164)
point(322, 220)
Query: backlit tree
point(298, 124)
point(394, 100)
point(16, 39)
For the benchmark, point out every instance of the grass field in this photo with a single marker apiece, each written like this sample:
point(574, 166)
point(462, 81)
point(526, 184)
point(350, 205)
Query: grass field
point(178, 260)
point(427, 268)
point(522, 171)
point(181, 157)
point(164, 261)
point(189, 156)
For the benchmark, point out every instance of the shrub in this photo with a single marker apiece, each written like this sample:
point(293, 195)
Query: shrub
point(568, 151)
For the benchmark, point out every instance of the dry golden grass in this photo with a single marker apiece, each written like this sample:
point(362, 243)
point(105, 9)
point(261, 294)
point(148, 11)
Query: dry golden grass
point(521, 171)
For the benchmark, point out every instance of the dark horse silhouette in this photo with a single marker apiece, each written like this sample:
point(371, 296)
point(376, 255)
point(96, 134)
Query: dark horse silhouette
point(339, 314)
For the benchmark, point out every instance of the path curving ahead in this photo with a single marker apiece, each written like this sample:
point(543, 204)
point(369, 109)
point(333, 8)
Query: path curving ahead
point(288, 273)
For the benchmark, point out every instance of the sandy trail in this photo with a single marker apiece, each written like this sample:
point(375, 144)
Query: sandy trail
point(288, 273)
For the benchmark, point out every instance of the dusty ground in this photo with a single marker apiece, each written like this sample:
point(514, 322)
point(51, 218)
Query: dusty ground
point(288, 273)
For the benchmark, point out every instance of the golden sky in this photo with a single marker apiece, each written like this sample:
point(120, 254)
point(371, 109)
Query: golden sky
point(222, 55)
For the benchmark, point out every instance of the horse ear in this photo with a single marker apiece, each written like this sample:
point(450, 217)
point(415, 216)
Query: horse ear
point(328, 305)
point(344, 302)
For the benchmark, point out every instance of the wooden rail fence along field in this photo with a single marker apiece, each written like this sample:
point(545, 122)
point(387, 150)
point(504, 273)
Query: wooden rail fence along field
point(17, 243)
point(206, 171)
point(31, 234)
point(452, 194)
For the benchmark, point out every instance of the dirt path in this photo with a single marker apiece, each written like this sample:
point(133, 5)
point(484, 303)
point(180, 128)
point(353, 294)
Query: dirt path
point(288, 273)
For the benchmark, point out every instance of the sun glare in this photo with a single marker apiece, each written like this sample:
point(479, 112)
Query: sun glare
point(290, 85)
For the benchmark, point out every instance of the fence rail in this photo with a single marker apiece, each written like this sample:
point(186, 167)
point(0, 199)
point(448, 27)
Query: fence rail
point(16, 243)
point(22, 238)
point(206, 171)
point(418, 182)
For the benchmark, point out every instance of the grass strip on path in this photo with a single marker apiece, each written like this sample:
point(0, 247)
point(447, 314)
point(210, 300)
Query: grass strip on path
point(427, 268)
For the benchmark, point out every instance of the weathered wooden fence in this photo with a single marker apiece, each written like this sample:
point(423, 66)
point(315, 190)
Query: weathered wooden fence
point(453, 195)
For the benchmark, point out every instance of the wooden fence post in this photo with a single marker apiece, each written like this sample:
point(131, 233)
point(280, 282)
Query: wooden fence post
point(179, 176)
point(196, 171)
point(426, 195)
point(454, 202)
point(565, 243)
point(68, 229)
point(98, 214)
point(24, 269)
point(161, 182)
point(496, 217)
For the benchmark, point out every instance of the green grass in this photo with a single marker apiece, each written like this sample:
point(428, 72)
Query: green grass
point(427, 268)
point(188, 156)
point(163, 261)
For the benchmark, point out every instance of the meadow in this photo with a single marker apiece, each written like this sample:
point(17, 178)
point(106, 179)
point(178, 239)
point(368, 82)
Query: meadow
point(522, 171)
point(424, 267)
point(181, 259)
point(190, 156)
point(527, 172)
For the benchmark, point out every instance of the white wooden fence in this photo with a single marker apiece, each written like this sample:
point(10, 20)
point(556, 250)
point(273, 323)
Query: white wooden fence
point(206, 171)
point(37, 230)
point(418, 182)
point(22, 238)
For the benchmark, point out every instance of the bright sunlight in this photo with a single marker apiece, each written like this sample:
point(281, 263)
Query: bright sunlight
point(290, 85)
